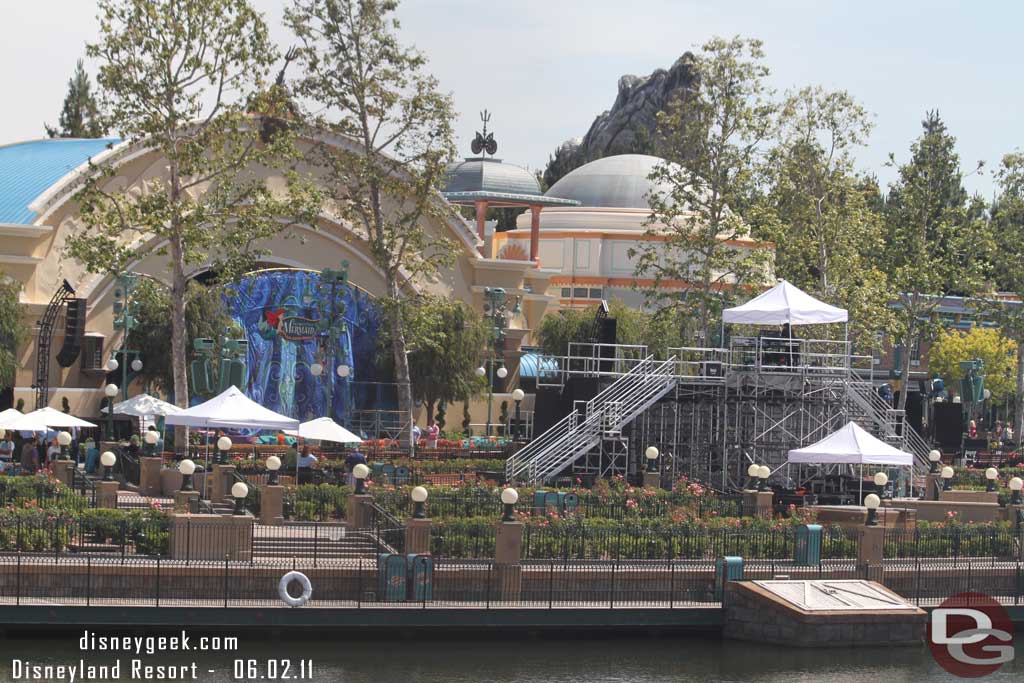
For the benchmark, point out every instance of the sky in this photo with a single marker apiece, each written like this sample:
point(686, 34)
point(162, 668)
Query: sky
point(546, 68)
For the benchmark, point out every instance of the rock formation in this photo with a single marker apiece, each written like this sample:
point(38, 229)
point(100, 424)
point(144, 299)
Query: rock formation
point(630, 125)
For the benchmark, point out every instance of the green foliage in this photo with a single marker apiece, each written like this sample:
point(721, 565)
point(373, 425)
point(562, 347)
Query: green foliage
point(311, 502)
point(184, 76)
point(375, 93)
point(998, 353)
point(12, 330)
point(712, 140)
point(658, 330)
point(80, 117)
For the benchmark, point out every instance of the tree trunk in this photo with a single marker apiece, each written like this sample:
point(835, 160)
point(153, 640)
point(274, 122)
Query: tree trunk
point(905, 368)
point(1018, 406)
point(430, 411)
point(404, 389)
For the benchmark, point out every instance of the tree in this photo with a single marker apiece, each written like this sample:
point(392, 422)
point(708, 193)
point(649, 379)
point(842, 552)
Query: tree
point(998, 353)
point(205, 317)
point(80, 116)
point(12, 330)
point(819, 213)
point(447, 339)
point(712, 139)
point(658, 331)
point(378, 96)
point(1007, 260)
point(933, 247)
point(181, 77)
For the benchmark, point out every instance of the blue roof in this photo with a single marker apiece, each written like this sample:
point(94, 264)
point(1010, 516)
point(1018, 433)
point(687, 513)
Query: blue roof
point(529, 363)
point(27, 169)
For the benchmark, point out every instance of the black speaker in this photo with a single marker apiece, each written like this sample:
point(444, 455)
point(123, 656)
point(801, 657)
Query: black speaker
point(606, 330)
point(948, 425)
point(74, 332)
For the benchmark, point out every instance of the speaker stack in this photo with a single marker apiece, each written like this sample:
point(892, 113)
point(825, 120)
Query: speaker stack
point(74, 332)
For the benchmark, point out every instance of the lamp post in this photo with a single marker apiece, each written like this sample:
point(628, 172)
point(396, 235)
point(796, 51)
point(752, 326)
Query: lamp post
point(64, 440)
point(108, 459)
point(360, 472)
point(239, 491)
point(1016, 484)
point(419, 499)
point(763, 473)
point(509, 497)
point(497, 313)
point(871, 502)
point(947, 478)
point(754, 472)
point(110, 391)
point(881, 479)
point(151, 438)
point(934, 457)
point(223, 446)
point(518, 395)
point(187, 469)
point(991, 474)
point(332, 327)
point(652, 458)
point(273, 465)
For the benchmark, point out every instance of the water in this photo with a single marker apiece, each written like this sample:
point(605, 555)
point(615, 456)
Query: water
point(675, 659)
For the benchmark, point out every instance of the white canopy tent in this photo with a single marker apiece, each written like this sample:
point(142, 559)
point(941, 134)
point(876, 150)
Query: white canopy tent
point(50, 418)
point(10, 417)
point(784, 304)
point(324, 429)
point(231, 410)
point(851, 445)
point(144, 406)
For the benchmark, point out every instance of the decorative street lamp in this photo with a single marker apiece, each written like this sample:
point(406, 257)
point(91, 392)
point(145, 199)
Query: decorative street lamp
point(509, 497)
point(223, 446)
point(316, 369)
point(947, 478)
point(112, 365)
point(108, 460)
point(652, 458)
point(934, 457)
point(496, 312)
point(518, 395)
point(273, 465)
point(754, 472)
point(360, 472)
point(64, 440)
point(187, 469)
point(239, 491)
point(151, 438)
point(343, 371)
point(871, 502)
point(991, 474)
point(1016, 484)
point(110, 391)
point(419, 498)
point(331, 328)
point(502, 372)
point(763, 473)
point(881, 479)
point(137, 365)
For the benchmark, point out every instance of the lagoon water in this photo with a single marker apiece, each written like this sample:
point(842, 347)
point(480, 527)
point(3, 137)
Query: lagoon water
point(675, 659)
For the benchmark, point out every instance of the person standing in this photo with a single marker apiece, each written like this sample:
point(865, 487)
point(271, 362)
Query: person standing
point(354, 458)
point(52, 451)
point(433, 432)
point(30, 457)
point(305, 464)
point(6, 451)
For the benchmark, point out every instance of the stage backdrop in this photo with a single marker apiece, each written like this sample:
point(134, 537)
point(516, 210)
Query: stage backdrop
point(279, 309)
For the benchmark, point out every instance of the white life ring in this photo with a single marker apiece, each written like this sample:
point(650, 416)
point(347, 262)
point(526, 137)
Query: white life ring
point(307, 589)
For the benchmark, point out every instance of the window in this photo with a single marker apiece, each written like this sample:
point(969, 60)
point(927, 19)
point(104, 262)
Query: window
point(579, 292)
point(595, 293)
point(566, 292)
point(92, 352)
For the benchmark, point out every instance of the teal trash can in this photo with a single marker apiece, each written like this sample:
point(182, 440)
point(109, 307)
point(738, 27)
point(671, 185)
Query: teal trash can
point(554, 500)
point(401, 475)
point(570, 502)
point(391, 572)
point(808, 545)
point(539, 496)
point(421, 578)
point(728, 568)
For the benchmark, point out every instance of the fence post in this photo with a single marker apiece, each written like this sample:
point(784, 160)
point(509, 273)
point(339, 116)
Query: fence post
point(225, 579)
point(671, 584)
point(157, 580)
point(18, 582)
point(359, 584)
point(88, 579)
point(551, 585)
point(487, 595)
point(611, 596)
point(124, 538)
point(316, 542)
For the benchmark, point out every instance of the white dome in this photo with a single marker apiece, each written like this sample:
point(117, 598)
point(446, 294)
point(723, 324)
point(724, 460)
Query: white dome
point(619, 182)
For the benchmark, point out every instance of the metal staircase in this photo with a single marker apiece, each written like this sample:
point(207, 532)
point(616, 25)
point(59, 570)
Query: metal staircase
point(888, 423)
point(603, 416)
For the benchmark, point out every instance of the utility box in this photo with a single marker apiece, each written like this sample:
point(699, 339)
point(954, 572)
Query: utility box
point(421, 577)
point(807, 545)
point(728, 568)
point(391, 577)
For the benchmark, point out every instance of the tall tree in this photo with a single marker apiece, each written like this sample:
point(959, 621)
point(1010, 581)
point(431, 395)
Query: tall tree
point(80, 116)
point(12, 329)
point(820, 217)
point(933, 246)
point(181, 77)
point(712, 135)
point(377, 94)
point(1007, 259)
point(996, 351)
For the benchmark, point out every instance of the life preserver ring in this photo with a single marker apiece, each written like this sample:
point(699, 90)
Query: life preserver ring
point(307, 589)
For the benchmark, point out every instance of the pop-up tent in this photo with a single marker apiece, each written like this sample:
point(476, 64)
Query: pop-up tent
point(144, 405)
point(781, 305)
point(324, 429)
point(50, 418)
point(851, 445)
point(231, 410)
point(9, 418)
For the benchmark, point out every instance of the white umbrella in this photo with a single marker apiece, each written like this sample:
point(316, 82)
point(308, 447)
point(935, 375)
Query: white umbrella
point(231, 409)
point(9, 417)
point(48, 417)
point(324, 429)
point(144, 405)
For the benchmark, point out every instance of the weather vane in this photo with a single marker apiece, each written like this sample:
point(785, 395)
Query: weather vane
point(484, 142)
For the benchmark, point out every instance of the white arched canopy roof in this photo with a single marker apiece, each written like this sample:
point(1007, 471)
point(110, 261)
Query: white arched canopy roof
point(784, 304)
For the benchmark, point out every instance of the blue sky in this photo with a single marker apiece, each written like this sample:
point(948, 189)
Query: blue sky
point(545, 68)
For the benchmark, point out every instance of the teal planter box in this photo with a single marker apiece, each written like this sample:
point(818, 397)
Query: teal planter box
point(808, 545)
point(728, 568)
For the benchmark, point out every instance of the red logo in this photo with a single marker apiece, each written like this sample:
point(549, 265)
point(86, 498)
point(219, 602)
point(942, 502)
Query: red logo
point(971, 635)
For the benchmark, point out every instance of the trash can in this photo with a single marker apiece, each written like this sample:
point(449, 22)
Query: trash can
point(808, 545)
point(391, 573)
point(728, 568)
point(421, 577)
